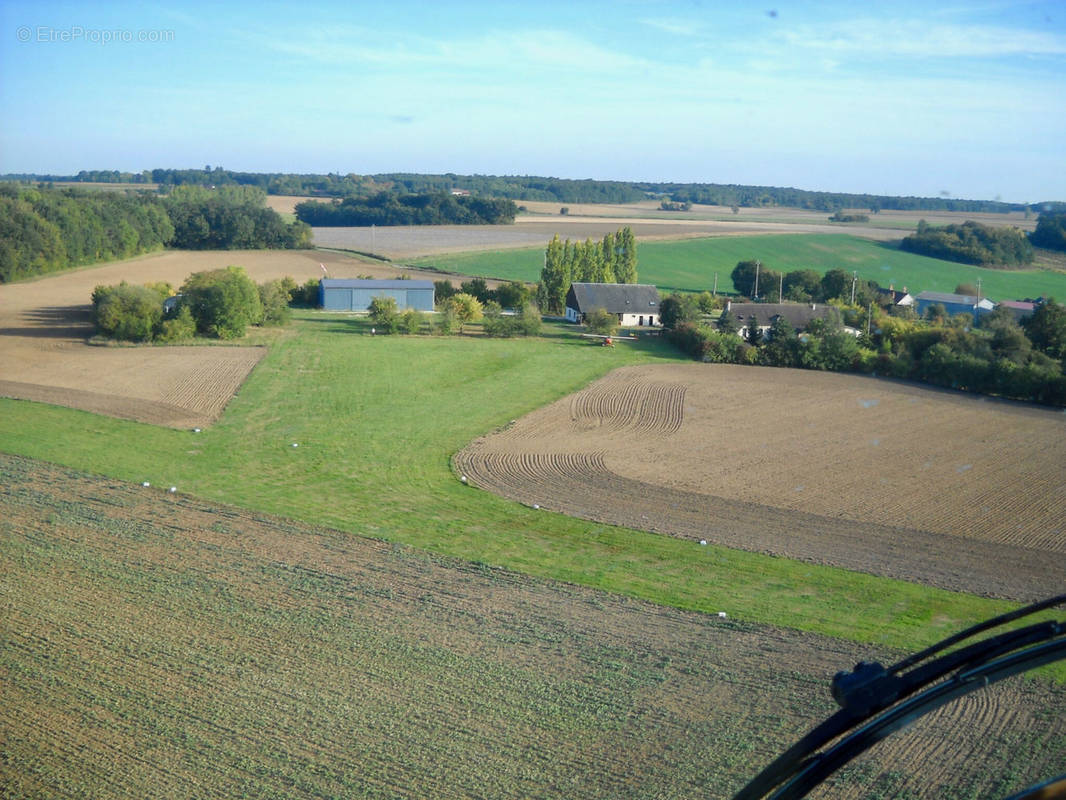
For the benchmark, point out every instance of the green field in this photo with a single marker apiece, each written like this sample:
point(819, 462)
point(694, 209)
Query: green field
point(377, 420)
point(691, 264)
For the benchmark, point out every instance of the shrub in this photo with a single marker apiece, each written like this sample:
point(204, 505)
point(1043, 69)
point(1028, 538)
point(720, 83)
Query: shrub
point(412, 321)
point(178, 328)
point(384, 314)
point(601, 321)
point(224, 302)
point(275, 299)
point(131, 313)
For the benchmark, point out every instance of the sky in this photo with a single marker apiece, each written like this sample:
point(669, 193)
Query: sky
point(960, 99)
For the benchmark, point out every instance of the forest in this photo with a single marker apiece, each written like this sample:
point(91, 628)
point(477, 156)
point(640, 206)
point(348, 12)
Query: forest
point(971, 243)
point(45, 229)
point(392, 208)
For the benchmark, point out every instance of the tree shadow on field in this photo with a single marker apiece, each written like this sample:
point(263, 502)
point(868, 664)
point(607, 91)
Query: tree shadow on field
point(54, 322)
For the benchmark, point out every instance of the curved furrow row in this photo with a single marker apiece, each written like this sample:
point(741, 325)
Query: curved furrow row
point(621, 405)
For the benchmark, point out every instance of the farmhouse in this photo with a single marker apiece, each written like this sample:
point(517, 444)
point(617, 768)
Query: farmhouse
point(894, 297)
point(347, 294)
point(953, 303)
point(633, 303)
point(798, 315)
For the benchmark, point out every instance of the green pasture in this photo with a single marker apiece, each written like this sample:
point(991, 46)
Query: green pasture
point(691, 264)
point(377, 419)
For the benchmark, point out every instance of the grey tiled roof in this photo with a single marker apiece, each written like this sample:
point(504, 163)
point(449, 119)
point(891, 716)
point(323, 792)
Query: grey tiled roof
point(617, 298)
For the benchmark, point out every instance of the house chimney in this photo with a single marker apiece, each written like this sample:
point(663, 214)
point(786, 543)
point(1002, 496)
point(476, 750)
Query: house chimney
point(814, 306)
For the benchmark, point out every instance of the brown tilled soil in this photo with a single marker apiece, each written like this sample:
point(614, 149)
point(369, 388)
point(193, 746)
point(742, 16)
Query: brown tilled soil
point(45, 327)
point(951, 490)
point(155, 645)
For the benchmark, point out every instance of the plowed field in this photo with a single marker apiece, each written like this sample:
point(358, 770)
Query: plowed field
point(954, 491)
point(153, 645)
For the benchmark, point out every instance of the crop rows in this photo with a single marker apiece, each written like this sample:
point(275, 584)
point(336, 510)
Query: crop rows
point(157, 646)
point(853, 473)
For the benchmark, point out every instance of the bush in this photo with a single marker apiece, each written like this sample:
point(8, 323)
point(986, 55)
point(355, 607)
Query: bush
point(412, 321)
point(275, 299)
point(224, 302)
point(130, 313)
point(384, 314)
point(178, 328)
point(601, 321)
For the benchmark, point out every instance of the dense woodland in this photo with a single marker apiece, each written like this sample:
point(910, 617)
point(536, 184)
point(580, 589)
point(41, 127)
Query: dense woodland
point(530, 187)
point(392, 208)
point(45, 229)
point(971, 243)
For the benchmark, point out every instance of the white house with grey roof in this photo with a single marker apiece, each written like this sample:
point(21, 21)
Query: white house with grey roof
point(635, 304)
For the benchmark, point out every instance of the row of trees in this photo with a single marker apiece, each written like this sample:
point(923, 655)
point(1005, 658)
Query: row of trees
point(971, 243)
point(454, 312)
point(391, 208)
point(219, 303)
point(527, 187)
point(43, 230)
point(612, 260)
point(801, 285)
point(46, 229)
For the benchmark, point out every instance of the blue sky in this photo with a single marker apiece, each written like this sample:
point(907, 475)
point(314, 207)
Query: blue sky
point(922, 98)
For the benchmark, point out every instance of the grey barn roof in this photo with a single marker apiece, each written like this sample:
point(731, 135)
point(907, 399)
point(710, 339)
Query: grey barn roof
point(616, 298)
point(797, 314)
point(360, 283)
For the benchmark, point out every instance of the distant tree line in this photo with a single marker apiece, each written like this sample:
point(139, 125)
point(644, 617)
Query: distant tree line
point(612, 260)
point(526, 187)
point(219, 303)
point(971, 243)
point(230, 218)
point(390, 208)
point(44, 229)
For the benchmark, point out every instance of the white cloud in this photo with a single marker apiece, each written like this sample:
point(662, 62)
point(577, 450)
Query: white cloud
point(923, 39)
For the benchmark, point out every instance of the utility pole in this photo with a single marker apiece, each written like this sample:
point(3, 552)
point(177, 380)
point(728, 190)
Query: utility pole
point(854, 279)
point(715, 292)
point(757, 265)
point(781, 289)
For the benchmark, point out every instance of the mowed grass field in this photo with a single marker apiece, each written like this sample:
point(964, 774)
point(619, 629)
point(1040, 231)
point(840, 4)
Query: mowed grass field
point(691, 264)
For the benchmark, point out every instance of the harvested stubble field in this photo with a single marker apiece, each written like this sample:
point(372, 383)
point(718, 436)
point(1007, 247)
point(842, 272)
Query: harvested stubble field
point(45, 326)
point(155, 645)
point(901, 481)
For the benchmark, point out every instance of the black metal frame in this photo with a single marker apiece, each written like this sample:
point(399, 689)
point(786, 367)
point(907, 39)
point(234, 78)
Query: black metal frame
point(875, 701)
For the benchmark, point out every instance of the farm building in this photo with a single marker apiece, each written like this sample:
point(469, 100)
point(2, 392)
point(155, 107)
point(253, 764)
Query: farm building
point(798, 315)
point(953, 303)
point(893, 297)
point(633, 303)
point(349, 294)
point(1019, 309)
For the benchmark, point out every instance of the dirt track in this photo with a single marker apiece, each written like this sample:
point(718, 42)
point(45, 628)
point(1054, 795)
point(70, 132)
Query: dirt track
point(856, 472)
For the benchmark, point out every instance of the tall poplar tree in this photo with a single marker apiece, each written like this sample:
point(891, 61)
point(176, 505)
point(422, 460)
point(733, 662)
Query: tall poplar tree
point(626, 266)
point(555, 277)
